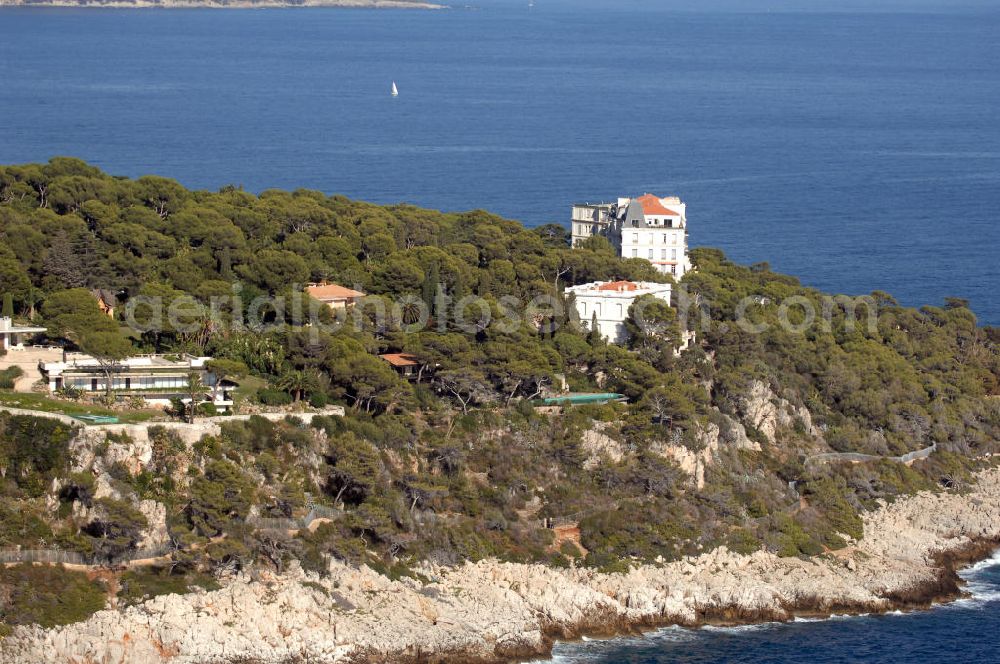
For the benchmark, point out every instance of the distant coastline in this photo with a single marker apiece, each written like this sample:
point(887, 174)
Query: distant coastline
point(223, 4)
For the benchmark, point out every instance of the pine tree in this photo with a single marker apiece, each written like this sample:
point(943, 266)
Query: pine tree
point(428, 290)
point(594, 338)
point(64, 261)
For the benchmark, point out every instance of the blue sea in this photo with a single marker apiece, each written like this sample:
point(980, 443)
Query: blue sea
point(855, 150)
point(960, 632)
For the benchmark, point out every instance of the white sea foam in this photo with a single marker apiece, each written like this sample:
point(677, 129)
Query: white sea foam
point(674, 633)
point(589, 649)
point(980, 592)
point(831, 617)
point(736, 629)
point(992, 561)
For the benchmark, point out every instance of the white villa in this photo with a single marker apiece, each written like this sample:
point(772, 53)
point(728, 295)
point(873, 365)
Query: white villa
point(646, 227)
point(10, 334)
point(609, 302)
point(156, 378)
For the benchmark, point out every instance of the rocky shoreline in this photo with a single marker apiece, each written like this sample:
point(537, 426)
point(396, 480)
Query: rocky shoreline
point(493, 612)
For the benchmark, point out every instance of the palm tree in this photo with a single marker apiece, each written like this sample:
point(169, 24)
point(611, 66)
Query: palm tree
point(297, 382)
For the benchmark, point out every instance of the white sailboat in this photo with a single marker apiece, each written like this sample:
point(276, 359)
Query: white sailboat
point(395, 90)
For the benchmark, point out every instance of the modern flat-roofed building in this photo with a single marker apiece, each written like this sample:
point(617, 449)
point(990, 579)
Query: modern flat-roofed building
point(156, 378)
point(11, 335)
point(609, 302)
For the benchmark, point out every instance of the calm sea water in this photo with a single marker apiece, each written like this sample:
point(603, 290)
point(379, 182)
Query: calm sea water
point(965, 631)
point(858, 151)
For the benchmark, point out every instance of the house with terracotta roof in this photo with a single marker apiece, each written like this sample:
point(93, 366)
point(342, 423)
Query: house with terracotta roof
point(334, 295)
point(647, 227)
point(608, 302)
point(405, 364)
point(106, 301)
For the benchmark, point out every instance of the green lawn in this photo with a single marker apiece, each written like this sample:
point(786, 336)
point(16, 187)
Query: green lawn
point(249, 385)
point(30, 401)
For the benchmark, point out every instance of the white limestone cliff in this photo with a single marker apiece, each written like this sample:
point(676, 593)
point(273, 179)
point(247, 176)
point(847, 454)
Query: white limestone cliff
point(491, 611)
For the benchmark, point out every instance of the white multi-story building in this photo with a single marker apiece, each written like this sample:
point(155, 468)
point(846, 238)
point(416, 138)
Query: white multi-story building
point(156, 378)
point(647, 227)
point(609, 301)
point(590, 219)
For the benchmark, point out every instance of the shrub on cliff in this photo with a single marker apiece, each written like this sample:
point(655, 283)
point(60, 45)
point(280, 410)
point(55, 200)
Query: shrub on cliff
point(47, 595)
point(33, 452)
point(115, 528)
point(23, 527)
point(139, 584)
point(220, 497)
point(9, 376)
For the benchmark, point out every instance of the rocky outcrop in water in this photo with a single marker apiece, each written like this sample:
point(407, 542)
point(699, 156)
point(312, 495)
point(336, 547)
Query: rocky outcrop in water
point(491, 611)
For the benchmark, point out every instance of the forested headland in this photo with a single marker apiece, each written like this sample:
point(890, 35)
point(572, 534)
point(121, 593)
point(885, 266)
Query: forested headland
point(712, 446)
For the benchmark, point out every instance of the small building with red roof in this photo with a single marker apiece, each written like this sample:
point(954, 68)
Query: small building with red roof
point(405, 364)
point(334, 295)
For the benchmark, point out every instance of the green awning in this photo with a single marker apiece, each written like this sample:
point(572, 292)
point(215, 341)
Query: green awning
point(96, 419)
point(580, 399)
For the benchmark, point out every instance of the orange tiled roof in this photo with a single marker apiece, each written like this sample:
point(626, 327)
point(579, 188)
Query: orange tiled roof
point(400, 359)
point(652, 205)
point(618, 286)
point(332, 292)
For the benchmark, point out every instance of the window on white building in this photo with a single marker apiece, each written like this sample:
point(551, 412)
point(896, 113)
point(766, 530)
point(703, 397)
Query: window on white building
point(583, 309)
point(650, 254)
point(663, 254)
point(635, 238)
point(635, 252)
point(673, 254)
point(597, 309)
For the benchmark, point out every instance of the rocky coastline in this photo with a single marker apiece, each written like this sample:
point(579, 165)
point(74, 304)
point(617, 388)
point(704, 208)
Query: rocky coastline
point(492, 611)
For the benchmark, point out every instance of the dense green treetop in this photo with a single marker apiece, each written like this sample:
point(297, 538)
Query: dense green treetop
point(916, 375)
